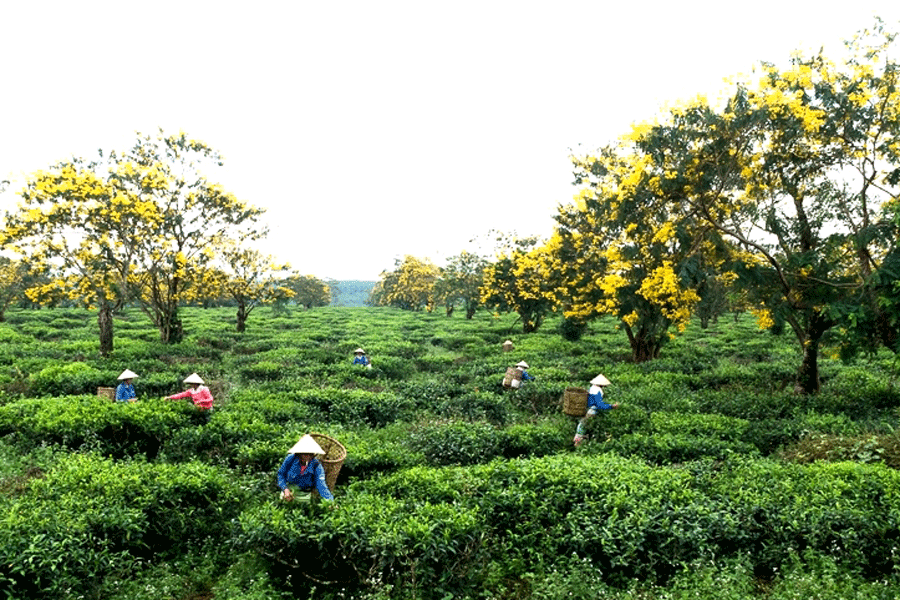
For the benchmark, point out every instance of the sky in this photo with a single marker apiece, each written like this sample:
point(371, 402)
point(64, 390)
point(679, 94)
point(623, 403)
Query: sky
point(371, 130)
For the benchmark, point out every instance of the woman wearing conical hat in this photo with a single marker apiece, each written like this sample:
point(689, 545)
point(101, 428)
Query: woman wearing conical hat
point(198, 393)
point(302, 471)
point(595, 404)
point(360, 358)
point(125, 389)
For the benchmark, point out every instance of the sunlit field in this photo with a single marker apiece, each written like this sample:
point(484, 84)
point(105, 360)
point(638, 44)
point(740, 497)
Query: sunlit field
point(713, 479)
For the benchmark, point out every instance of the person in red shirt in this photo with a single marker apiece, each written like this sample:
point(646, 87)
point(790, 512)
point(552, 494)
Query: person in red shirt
point(198, 393)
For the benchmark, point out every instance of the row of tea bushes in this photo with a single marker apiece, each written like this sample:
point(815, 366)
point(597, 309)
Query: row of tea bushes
point(633, 522)
point(88, 517)
point(117, 429)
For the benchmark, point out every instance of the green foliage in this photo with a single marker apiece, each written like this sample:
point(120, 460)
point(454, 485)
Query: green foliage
point(62, 379)
point(120, 429)
point(456, 442)
point(88, 516)
point(655, 502)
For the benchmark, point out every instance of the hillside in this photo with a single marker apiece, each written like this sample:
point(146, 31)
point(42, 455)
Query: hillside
point(350, 293)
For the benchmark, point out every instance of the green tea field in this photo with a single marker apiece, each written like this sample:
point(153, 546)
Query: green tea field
point(712, 479)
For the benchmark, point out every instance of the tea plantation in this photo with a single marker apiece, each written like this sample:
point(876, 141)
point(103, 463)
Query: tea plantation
point(712, 479)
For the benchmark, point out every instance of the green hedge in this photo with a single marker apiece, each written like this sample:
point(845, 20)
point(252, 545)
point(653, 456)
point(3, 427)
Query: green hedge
point(88, 518)
point(116, 428)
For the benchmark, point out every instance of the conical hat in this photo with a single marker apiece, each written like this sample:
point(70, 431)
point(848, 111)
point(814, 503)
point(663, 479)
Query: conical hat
point(600, 380)
point(522, 364)
point(306, 445)
point(193, 378)
point(359, 351)
point(127, 374)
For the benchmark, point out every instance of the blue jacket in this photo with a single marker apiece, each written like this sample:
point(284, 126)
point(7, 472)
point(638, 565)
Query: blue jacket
point(595, 399)
point(125, 392)
point(361, 360)
point(313, 475)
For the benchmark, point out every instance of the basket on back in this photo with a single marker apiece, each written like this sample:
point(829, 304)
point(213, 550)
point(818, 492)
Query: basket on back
point(332, 460)
point(513, 378)
point(575, 401)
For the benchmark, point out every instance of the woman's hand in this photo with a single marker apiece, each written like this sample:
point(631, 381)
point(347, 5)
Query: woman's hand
point(287, 495)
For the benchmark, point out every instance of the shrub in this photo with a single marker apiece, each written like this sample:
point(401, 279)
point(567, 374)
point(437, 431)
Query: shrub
point(455, 442)
point(119, 429)
point(89, 516)
point(67, 378)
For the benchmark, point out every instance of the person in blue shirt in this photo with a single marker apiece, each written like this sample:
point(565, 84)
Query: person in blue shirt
point(360, 358)
point(595, 404)
point(125, 389)
point(302, 471)
point(523, 366)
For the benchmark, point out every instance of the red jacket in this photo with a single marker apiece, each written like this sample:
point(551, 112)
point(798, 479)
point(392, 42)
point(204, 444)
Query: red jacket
point(201, 396)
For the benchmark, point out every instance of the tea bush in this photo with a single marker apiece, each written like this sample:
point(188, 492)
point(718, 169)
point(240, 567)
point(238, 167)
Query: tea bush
point(88, 516)
point(116, 428)
point(456, 442)
point(668, 498)
point(67, 378)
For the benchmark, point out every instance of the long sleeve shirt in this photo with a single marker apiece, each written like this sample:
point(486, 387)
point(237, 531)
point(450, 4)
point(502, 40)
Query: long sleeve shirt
point(201, 396)
point(361, 360)
point(526, 376)
point(595, 399)
point(293, 472)
point(125, 392)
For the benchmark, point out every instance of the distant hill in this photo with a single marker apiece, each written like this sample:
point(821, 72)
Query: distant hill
point(350, 293)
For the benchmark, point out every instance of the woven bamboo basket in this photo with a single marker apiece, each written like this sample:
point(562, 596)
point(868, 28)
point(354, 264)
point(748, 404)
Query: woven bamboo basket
point(575, 401)
point(332, 460)
point(106, 392)
point(512, 374)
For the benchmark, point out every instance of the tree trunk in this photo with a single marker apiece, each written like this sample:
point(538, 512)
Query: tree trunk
point(241, 318)
point(808, 374)
point(105, 322)
point(450, 308)
point(643, 346)
point(470, 311)
point(171, 330)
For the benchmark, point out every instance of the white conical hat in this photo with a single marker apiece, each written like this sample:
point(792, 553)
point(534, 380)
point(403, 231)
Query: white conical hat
point(522, 364)
point(600, 380)
point(127, 374)
point(306, 445)
point(193, 378)
point(359, 351)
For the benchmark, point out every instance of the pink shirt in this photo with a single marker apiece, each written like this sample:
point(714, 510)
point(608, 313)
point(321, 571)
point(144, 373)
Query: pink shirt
point(201, 396)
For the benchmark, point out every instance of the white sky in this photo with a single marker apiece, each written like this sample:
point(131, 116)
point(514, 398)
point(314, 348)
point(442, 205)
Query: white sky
point(373, 129)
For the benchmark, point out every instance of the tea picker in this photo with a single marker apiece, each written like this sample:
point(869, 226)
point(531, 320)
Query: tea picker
point(515, 376)
point(125, 389)
point(360, 358)
point(301, 471)
point(198, 393)
point(595, 404)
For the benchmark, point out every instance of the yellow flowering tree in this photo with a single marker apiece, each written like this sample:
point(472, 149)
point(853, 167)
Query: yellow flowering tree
point(521, 280)
point(410, 286)
point(796, 169)
point(460, 281)
point(74, 221)
point(14, 279)
point(618, 254)
point(309, 291)
point(189, 221)
point(252, 279)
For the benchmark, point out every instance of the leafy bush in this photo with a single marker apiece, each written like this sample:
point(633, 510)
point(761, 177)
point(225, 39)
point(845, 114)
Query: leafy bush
point(116, 428)
point(67, 379)
point(456, 443)
point(88, 517)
